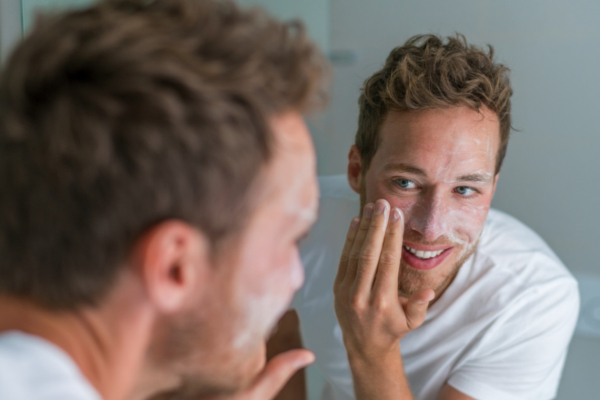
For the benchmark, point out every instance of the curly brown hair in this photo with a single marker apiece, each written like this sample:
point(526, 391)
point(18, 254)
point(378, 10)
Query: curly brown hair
point(427, 73)
point(130, 112)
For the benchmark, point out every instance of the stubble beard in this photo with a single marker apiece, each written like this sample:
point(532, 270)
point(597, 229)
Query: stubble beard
point(411, 280)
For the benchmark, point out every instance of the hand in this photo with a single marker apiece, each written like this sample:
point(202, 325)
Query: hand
point(274, 376)
point(372, 316)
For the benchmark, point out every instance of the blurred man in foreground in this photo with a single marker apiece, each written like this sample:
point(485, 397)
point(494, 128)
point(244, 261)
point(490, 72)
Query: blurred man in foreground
point(437, 296)
point(156, 176)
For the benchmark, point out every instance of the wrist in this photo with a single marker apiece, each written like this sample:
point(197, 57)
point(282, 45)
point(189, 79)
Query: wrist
point(374, 359)
point(379, 377)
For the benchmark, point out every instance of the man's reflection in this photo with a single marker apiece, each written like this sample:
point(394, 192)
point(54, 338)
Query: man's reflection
point(437, 296)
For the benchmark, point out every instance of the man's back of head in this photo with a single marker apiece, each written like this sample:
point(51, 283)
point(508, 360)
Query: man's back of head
point(121, 117)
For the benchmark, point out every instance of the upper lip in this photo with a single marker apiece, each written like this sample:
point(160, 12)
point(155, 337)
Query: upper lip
point(422, 247)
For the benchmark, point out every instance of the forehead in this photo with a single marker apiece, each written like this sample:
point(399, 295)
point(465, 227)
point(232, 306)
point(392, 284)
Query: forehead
point(455, 140)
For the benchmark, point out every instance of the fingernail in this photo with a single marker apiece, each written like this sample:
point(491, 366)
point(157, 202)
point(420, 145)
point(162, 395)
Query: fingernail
point(396, 214)
point(380, 207)
point(354, 222)
point(369, 210)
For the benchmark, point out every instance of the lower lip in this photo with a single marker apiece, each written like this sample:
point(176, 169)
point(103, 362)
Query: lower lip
point(425, 265)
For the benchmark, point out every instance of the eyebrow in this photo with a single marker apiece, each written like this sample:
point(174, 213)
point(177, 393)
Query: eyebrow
point(476, 177)
point(402, 167)
point(405, 168)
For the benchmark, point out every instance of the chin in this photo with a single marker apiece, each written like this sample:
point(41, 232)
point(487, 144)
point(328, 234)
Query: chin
point(412, 280)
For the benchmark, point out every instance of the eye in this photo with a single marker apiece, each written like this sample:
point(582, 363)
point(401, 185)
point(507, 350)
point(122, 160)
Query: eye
point(405, 183)
point(465, 191)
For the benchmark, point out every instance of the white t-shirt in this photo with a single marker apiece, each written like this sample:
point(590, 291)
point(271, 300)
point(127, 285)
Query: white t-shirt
point(32, 368)
point(499, 332)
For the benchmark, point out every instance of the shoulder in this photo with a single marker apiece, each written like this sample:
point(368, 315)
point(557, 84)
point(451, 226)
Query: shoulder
point(515, 250)
point(523, 303)
point(520, 273)
point(503, 232)
point(26, 359)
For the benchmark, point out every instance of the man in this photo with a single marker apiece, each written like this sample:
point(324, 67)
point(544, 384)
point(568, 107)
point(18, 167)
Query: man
point(148, 222)
point(436, 296)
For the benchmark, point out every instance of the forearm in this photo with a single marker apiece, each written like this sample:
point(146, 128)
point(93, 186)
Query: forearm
point(382, 378)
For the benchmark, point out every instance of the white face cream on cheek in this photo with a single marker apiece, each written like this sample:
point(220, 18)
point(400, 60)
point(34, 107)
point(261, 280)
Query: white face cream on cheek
point(264, 293)
point(460, 226)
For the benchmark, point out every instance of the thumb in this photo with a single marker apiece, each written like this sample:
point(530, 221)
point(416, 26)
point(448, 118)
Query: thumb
point(277, 372)
point(416, 307)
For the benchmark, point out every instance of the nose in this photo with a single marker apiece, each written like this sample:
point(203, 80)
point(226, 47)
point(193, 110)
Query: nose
point(428, 217)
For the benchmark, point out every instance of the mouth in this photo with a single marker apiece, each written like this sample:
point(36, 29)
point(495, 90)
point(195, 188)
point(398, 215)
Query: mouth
point(424, 258)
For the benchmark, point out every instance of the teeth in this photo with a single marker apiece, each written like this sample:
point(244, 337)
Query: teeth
point(424, 254)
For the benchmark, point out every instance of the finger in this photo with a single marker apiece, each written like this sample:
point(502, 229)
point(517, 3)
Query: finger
point(359, 239)
point(415, 308)
point(371, 250)
point(386, 278)
point(277, 372)
point(350, 236)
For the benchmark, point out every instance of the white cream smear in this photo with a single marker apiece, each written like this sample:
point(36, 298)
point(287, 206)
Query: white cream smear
point(459, 225)
point(264, 310)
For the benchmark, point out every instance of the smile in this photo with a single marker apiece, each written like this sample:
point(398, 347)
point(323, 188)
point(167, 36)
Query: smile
point(424, 255)
point(424, 259)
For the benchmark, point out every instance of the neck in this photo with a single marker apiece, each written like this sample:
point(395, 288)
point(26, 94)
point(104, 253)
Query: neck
point(108, 343)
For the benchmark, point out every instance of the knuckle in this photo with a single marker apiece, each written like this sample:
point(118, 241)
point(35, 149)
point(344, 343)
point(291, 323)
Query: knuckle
point(379, 220)
point(367, 257)
point(357, 303)
point(364, 227)
point(393, 233)
point(380, 304)
point(354, 257)
point(388, 257)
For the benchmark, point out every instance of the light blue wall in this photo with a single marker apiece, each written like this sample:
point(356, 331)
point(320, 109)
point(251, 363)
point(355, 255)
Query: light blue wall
point(314, 13)
point(30, 7)
point(10, 26)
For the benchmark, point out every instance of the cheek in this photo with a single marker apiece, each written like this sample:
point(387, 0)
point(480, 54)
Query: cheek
point(273, 272)
point(467, 221)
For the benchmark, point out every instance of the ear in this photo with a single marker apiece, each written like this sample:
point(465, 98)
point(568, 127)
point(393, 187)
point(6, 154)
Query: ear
point(173, 260)
point(354, 168)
